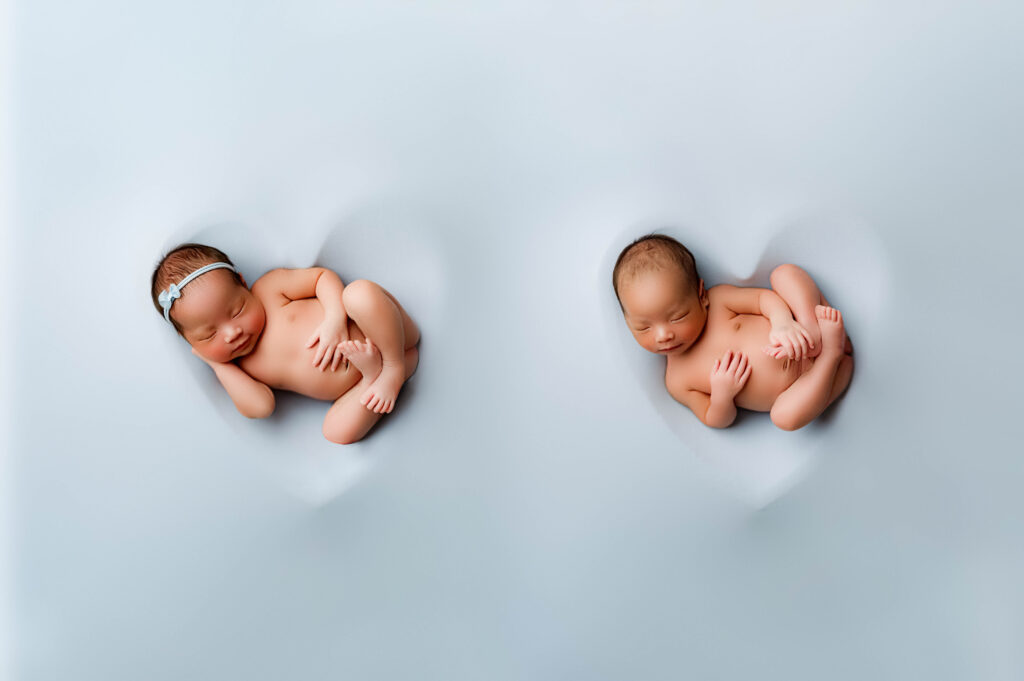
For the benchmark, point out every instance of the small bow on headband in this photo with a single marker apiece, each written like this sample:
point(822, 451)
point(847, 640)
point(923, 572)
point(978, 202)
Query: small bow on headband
point(167, 298)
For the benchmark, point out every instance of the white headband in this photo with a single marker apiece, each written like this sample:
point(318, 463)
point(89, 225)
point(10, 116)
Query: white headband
point(173, 292)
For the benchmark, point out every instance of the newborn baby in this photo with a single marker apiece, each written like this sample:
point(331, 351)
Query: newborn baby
point(731, 347)
point(298, 330)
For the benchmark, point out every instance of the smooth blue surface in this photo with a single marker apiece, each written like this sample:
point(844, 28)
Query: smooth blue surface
point(535, 509)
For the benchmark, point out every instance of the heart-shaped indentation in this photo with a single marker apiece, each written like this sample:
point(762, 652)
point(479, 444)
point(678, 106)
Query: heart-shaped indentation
point(753, 458)
point(388, 243)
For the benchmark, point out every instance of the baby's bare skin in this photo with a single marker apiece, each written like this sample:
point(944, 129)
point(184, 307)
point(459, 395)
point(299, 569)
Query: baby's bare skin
point(281, 359)
point(732, 351)
point(303, 331)
point(733, 347)
point(744, 335)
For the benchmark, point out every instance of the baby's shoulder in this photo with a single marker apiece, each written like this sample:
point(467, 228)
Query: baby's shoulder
point(268, 280)
point(723, 291)
point(717, 295)
point(269, 288)
point(729, 298)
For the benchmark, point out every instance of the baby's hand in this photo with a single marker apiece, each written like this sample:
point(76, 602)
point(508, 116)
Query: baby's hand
point(729, 374)
point(330, 335)
point(788, 340)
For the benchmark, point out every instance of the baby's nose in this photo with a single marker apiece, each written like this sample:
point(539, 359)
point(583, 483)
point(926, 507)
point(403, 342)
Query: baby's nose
point(232, 333)
point(665, 333)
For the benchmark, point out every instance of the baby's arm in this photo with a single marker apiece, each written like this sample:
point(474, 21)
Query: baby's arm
point(801, 294)
point(253, 399)
point(787, 337)
point(728, 376)
point(324, 285)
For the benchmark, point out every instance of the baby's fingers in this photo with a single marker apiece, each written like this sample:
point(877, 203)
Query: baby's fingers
point(807, 335)
point(795, 350)
point(745, 376)
point(735, 362)
point(803, 346)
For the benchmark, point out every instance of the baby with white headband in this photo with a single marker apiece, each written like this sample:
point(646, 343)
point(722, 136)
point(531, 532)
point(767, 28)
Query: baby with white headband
point(300, 330)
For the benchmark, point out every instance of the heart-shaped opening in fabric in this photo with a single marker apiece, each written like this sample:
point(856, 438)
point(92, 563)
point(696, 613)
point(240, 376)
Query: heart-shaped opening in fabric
point(753, 458)
point(393, 245)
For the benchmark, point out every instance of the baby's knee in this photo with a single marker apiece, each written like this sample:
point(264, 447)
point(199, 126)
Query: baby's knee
point(786, 419)
point(787, 271)
point(338, 434)
point(358, 290)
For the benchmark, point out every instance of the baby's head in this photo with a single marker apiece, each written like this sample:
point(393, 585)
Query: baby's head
point(661, 294)
point(213, 310)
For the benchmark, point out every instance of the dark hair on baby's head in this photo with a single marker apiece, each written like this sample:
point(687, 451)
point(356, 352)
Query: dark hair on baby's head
point(181, 262)
point(655, 252)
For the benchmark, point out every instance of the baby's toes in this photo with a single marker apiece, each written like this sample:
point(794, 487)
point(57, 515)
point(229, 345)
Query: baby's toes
point(828, 315)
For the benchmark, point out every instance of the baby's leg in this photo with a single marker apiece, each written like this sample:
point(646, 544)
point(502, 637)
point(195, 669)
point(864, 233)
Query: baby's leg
point(810, 394)
point(347, 420)
point(412, 332)
point(381, 319)
point(800, 292)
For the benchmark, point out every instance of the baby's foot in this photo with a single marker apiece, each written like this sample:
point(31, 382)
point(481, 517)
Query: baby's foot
point(833, 336)
point(365, 357)
point(816, 339)
point(381, 395)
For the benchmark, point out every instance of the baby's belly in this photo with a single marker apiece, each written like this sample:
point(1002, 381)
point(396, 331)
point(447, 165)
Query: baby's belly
point(286, 362)
point(300, 376)
point(769, 377)
point(308, 380)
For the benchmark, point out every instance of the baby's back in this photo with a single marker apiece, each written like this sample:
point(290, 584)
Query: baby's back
point(282, 360)
point(746, 333)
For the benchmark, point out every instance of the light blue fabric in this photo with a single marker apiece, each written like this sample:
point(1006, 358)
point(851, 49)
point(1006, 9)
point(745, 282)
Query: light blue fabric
point(173, 292)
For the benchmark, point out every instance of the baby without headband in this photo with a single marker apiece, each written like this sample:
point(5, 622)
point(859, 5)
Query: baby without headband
point(173, 292)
